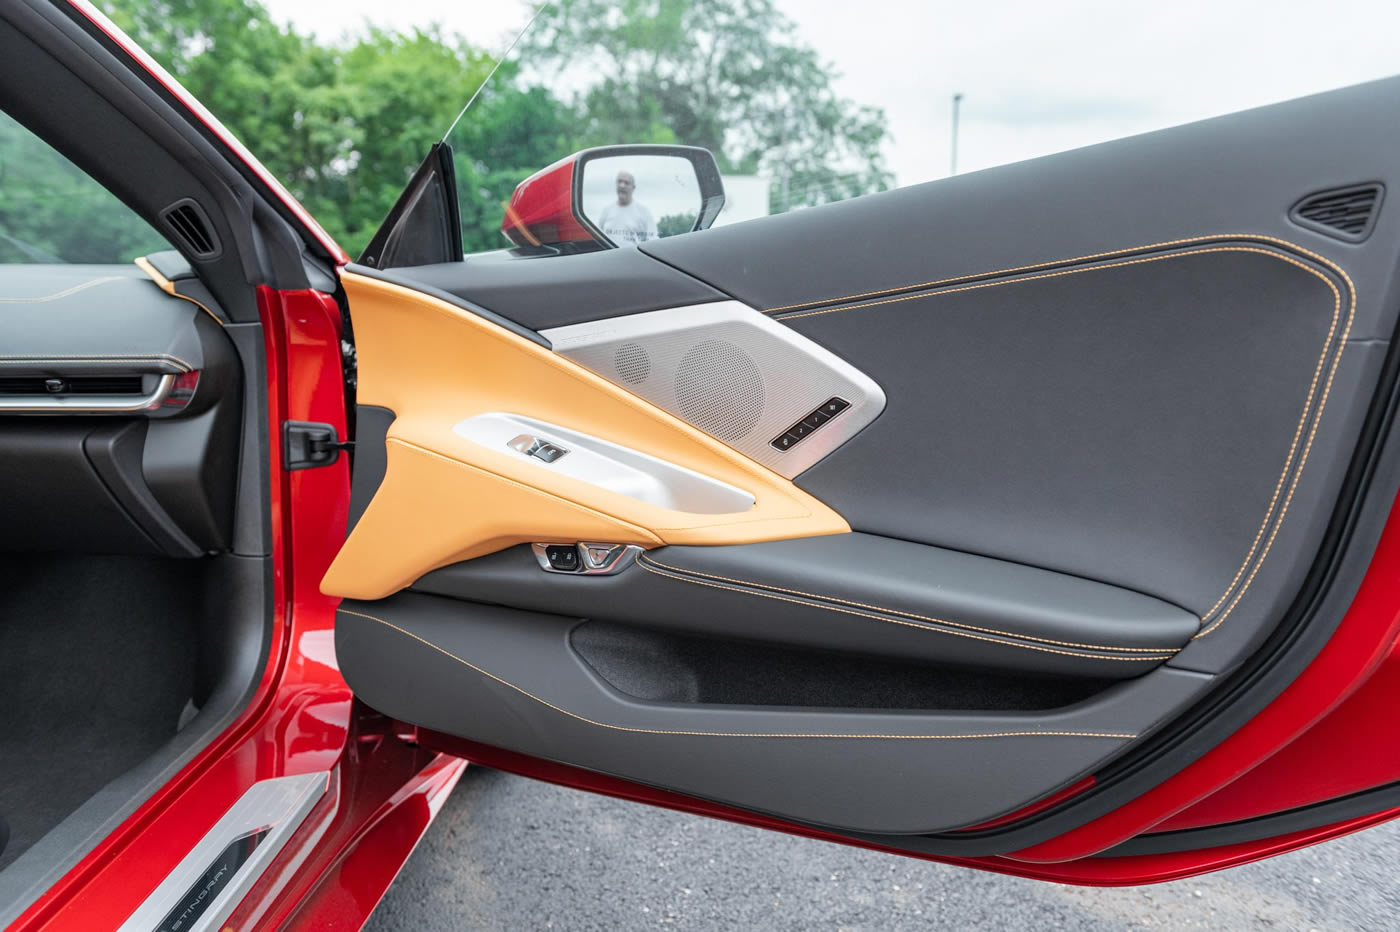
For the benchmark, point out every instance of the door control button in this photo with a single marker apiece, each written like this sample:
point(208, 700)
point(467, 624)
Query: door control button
point(534, 446)
point(548, 452)
point(524, 443)
point(598, 556)
point(829, 409)
point(585, 558)
point(562, 557)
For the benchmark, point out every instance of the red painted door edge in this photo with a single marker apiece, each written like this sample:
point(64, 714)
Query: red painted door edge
point(1355, 651)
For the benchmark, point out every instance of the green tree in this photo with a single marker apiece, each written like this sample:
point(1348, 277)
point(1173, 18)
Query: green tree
point(51, 211)
point(729, 75)
point(344, 125)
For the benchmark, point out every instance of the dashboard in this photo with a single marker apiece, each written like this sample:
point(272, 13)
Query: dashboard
point(120, 414)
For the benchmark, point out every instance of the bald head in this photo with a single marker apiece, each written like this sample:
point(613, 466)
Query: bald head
point(626, 184)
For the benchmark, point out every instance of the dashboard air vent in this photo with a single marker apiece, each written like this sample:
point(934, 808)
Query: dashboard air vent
point(75, 385)
point(1346, 213)
point(187, 220)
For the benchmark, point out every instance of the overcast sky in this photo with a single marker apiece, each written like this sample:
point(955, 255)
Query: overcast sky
point(1038, 77)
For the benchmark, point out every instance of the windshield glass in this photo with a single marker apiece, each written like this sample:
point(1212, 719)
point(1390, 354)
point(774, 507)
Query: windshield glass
point(804, 102)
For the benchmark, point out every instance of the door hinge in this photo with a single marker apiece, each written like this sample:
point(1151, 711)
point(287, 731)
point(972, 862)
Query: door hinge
point(306, 445)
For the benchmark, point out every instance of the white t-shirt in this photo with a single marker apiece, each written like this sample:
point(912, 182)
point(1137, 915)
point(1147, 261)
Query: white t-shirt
point(630, 224)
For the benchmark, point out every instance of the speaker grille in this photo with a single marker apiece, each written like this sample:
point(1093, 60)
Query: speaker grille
point(720, 389)
point(731, 372)
point(633, 363)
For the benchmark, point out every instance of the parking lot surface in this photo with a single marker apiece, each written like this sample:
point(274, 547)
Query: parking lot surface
point(510, 853)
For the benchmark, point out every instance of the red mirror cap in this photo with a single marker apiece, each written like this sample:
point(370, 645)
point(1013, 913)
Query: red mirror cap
point(541, 211)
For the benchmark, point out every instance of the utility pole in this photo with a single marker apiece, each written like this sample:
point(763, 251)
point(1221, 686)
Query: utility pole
point(957, 105)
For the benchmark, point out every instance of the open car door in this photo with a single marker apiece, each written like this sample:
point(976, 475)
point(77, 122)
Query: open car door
point(1009, 519)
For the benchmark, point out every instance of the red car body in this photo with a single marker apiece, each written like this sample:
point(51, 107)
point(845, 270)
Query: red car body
point(390, 780)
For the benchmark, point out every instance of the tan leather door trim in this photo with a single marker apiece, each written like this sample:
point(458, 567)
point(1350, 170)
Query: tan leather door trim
point(445, 499)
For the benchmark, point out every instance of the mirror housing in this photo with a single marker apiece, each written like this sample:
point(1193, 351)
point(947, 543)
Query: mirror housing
point(548, 209)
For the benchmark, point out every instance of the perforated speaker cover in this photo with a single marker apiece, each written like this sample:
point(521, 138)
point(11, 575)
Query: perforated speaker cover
point(730, 371)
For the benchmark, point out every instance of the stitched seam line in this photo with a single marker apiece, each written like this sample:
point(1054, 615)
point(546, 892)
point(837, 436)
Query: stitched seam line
point(1053, 262)
point(1303, 460)
point(1292, 450)
point(65, 292)
point(908, 624)
point(1321, 363)
point(647, 558)
point(721, 734)
point(47, 357)
point(1059, 274)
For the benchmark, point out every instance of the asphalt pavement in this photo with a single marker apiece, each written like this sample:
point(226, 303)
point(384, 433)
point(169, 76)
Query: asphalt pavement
point(511, 853)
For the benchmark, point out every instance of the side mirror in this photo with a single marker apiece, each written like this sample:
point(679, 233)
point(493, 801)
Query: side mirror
point(616, 196)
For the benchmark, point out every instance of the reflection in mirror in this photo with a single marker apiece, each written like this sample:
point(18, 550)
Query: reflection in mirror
point(635, 198)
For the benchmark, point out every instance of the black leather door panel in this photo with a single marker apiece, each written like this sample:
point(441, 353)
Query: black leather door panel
point(1132, 423)
point(510, 679)
point(859, 594)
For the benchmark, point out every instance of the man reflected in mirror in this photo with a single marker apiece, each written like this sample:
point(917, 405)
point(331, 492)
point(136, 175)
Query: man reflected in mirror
point(627, 221)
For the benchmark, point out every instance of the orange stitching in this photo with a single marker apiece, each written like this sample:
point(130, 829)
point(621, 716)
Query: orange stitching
point(909, 624)
point(1041, 265)
point(1060, 274)
point(1307, 448)
point(648, 558)
point(83, 286)
point(1312, 388)
point(721, 734)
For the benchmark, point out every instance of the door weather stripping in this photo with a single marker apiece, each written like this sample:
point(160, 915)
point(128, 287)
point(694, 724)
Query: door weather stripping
point(203, 889)
point(740, 376)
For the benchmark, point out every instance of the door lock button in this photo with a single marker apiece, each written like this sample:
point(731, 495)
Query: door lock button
point(562, 557)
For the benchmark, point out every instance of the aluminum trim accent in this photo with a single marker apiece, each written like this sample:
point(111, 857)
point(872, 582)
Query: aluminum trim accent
point(648, 355)
point(605, 464)
point(89, 404)
point(623, 556)
point(278, 805)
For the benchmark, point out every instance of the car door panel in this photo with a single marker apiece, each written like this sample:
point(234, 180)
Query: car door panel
point(445, 498)
point(904, 772)
point(1122, 391)
point(858, 593)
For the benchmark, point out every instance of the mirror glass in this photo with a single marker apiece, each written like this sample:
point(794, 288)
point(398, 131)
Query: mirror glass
point(635, 198)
